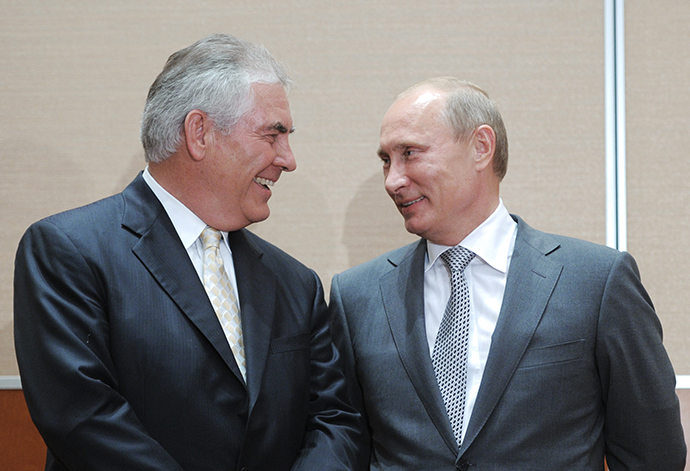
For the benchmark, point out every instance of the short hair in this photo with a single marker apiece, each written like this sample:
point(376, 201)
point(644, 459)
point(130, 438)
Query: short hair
point(466, 108)
point(213, 75)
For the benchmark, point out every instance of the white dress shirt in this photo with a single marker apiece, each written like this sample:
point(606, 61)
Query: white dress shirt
point(486, 274)
point(189, 228)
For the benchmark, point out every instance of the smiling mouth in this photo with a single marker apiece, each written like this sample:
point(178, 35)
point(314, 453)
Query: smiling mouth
point(405, 205)
point(266, 183)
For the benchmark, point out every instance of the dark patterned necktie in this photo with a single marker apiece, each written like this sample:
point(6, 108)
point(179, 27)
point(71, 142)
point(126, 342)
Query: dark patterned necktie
point(450, 349)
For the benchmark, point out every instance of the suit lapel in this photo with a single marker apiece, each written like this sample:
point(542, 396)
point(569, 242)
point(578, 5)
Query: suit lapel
point(256, 284)
point(402, 289)
point(161, 251)
point(531, 279)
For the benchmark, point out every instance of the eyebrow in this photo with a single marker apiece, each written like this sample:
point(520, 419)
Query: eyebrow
point(280, 127)
point(401, 146)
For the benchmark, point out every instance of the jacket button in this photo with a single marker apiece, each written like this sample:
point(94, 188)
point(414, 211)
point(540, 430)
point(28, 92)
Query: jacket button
point(462, 465)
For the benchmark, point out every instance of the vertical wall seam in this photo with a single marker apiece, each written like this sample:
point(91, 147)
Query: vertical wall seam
point(616, 196)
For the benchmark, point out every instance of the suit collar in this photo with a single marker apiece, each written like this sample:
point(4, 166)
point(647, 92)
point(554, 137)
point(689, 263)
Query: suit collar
point(257, 294)
point(187, 224)
point(141, 208)
point(403, 300)
point(542, 242)
point(532, 277)
point(159, 249)
point(492, 241)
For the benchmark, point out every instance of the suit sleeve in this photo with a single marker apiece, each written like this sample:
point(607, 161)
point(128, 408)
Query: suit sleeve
point(343, 343)
point(336, 438)
point(68, 377)
point(642, 423)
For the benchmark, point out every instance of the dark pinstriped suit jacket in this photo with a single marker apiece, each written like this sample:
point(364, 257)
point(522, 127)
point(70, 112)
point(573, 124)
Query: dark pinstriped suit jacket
point(125, 366)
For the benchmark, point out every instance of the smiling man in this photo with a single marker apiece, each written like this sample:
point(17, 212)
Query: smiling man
point(153, 332)
point(489, 345)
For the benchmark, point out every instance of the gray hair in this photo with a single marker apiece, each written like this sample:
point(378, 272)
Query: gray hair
point(213, 75)
point(466, 108)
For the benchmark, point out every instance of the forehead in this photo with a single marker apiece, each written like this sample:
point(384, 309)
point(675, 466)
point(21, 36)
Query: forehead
point(271, 105)
point(413, 116)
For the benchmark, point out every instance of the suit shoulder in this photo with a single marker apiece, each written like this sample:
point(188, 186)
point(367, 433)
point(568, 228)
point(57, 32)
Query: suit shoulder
point(63, 241)
point(84, 222)
point(575, 254)
point(277, 257)
point(95, 214)
point(549, 243)
point(379, 265)
point(586, 247)
point(590, 253)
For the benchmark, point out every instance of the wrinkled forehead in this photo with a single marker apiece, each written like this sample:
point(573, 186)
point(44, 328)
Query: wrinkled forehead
point(270, 104)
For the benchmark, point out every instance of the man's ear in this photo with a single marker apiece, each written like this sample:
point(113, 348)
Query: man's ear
point(484, 141)
point(197, 133)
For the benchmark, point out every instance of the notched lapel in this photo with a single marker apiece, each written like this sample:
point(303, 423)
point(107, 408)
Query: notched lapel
point(402, 289)
point(532, 278)
point(256, 284)
point(160, 250)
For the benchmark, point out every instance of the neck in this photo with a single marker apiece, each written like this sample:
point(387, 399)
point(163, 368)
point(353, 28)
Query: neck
point(467, 223)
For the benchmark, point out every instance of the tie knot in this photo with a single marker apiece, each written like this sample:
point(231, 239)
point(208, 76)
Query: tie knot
point(457, 258)
point(210, 237)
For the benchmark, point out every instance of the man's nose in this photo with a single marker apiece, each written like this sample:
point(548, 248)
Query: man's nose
point(394, 178)
point(285, 159)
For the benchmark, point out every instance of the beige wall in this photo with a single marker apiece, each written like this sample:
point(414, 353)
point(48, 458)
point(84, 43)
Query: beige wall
point(74, 76)
point(658, 114)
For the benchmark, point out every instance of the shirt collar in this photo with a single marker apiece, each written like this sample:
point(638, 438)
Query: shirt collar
point(186, 223)
point(491, 241)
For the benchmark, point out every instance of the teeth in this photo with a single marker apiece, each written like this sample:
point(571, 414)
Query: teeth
point(264, 181)
point(405, 205)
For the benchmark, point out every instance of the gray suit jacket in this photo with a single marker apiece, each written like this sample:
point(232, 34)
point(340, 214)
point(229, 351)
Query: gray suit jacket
point(576, 369)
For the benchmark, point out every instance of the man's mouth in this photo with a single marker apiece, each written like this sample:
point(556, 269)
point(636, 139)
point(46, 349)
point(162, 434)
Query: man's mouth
point(410, 203)
point(265, 182)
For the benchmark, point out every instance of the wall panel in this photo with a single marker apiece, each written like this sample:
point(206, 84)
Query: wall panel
point(74, 76)
point(658, 120)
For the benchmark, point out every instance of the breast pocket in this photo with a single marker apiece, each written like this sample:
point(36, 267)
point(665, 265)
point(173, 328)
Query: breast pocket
point(553, 354)
point(291, 343)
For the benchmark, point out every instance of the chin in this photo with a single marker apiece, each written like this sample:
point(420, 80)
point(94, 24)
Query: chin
point(259, 216)
point(414, 229)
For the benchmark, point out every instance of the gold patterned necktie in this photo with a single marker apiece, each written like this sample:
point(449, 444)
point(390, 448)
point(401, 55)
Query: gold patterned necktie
point(222, 295)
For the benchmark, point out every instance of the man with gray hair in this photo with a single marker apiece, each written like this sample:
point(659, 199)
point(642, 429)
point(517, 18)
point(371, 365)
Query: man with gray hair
point(153, 332)
point(489, 345)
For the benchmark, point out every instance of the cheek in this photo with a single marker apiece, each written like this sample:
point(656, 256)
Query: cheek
point(431, 182)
